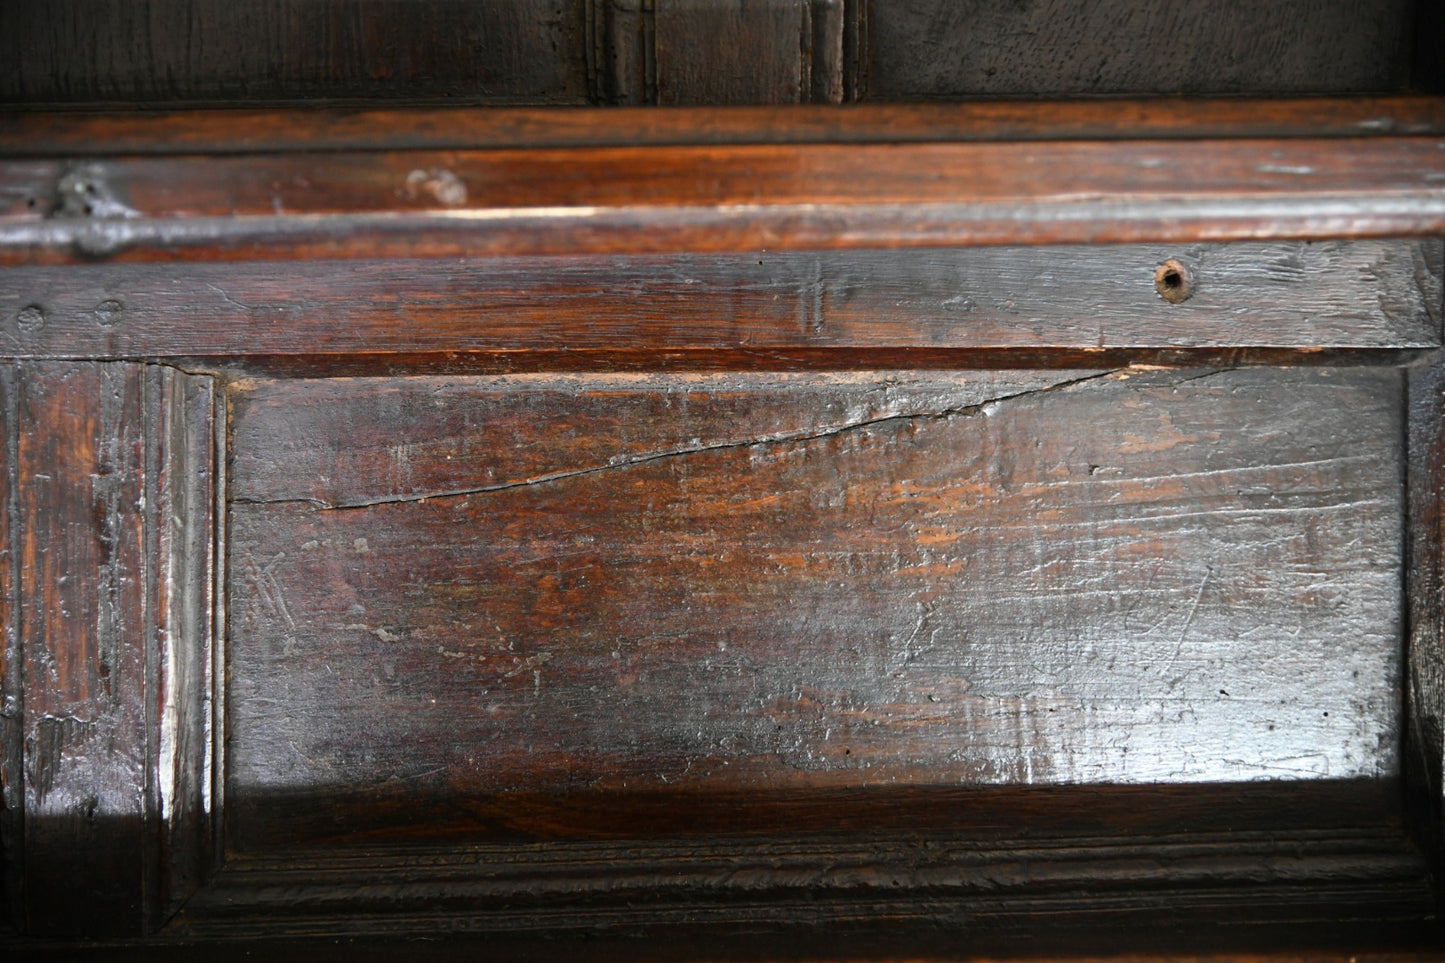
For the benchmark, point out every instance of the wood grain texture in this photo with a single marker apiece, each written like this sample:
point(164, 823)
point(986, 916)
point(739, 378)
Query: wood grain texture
point(749, 52)
point(1299, 300)
point(717, 52)
point(739, 584)
point(941, 49)
point(81, 460)
point(1425, 695)
point(183, 469)
point(998, 892)
point(743, 198)
point(114, 531)
point(240, 131)
point(12, 657)
point(692, 51)
point(212, 51)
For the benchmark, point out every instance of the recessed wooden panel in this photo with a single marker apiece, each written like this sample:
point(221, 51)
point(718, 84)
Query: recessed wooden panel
point(945, 49)
point(199, 51)
point(456, 591)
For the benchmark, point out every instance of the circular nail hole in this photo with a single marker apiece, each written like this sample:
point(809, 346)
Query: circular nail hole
point(107, 313)
point(1172, 281)
point(31, 318)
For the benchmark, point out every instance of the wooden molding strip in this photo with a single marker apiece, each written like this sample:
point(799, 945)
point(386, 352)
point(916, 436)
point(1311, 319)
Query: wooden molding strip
point(249, 131)
point(623, 200)
point(113, 633)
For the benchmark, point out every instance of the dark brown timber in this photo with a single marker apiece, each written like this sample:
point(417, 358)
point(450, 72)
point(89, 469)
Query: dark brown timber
point(114, 628)
point(975, 529)
point(1301, 301)
point(457, 589)
point(51, 134)
point(718, 198)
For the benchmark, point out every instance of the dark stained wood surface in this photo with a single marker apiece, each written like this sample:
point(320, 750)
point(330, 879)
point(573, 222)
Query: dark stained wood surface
point(1425, 589)
point(941, 49)
point(716, 198)
point(12, 673)
point(723, 51)
point(215, 51)
point(843, 602)
point(80, 455)
point(113, 627)
point(150, 52)
point(457, 589)
point(240, 131)
point(1115, 880)
point(1297, 299)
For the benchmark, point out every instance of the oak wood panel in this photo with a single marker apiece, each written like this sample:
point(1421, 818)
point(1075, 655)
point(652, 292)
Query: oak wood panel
point(694, 51)
point(81, 458)
point(721, 51)
point(940, 49)
point(749, 52)
point(12, 657)
point(652, 200)
point(1301, 301)
point(1121, 578)
point(214, 51)
point(242, 131)
point(112, 521)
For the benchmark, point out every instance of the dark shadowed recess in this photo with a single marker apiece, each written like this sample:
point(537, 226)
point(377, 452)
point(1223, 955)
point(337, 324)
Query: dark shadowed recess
point(169, 52)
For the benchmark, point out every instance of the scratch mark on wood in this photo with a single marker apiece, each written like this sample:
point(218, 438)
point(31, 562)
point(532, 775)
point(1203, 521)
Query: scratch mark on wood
point(1184, 629)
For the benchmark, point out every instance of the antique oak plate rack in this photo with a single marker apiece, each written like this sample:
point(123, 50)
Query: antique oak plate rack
point(993, 526)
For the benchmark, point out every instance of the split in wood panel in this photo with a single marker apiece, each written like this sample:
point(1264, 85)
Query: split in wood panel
point(455, 592)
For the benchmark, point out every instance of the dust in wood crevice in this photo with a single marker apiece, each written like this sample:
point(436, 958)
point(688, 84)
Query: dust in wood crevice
point(622, 463)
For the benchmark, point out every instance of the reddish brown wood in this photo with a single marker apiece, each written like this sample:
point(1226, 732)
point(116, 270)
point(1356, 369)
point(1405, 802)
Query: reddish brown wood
point(79, 134)
point(113, 527)
point(1303, 302)
point(820, 524)
point(12, 657)
point(736, 198)
point(453, 591)
point(80, 461)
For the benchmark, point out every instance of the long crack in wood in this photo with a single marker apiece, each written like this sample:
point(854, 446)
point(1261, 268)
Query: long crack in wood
point(779, 438)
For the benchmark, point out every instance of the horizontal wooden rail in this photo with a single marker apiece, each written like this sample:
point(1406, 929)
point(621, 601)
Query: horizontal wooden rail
point(49, 134)
point(705, 197)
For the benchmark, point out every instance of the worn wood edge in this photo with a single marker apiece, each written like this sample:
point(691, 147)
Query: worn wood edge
point(737, 198)
point(12, 685)
point(80, 465)
point(156, 438)
point(96, 133)
point(220, 614)
point(181, 533)
point(1424, 749)
point(365, 364)
point(1117, 220)
point(1423, 752)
